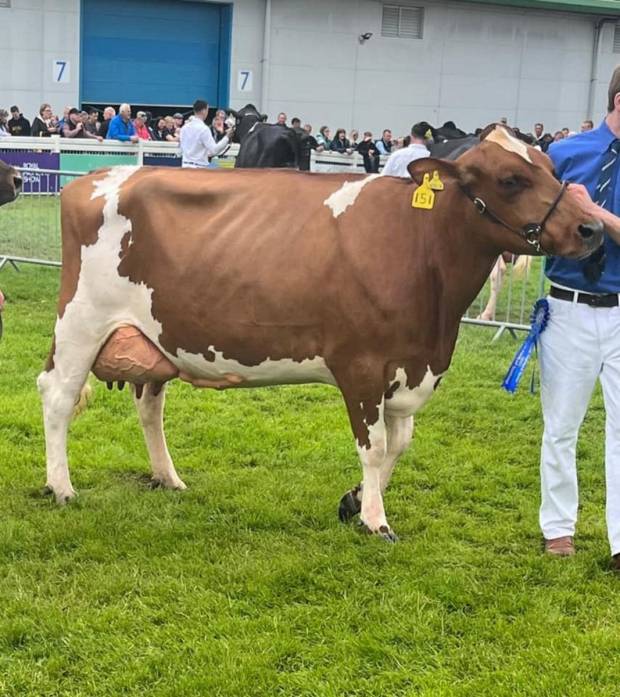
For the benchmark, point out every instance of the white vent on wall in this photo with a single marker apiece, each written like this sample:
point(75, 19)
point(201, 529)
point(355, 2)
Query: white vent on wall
point(617, 38)
point(402, 22)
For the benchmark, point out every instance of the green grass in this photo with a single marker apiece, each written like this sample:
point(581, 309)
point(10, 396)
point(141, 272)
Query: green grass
point(246, 584)
point(30, 227)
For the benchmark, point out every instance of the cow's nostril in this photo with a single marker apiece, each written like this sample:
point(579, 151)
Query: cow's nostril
point(17, 182)
point(586, 231)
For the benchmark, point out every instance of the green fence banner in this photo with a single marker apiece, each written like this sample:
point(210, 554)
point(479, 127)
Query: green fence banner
point(86, 162)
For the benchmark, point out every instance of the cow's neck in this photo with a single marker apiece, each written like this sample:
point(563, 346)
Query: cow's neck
point(459, 263)
point(470, 250)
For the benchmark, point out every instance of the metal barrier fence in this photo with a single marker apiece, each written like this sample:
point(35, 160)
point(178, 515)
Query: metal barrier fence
point(84, 155)
point(30, 233)
point(507, 298)
point(30, 225)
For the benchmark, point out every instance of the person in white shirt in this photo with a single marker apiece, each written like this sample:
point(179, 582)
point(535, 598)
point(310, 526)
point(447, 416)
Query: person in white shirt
point(396, 165)
point(197, 142)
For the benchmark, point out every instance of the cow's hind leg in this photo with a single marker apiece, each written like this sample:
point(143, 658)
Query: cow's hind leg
point(150, 406)
point(60, 385)
point(399, 430)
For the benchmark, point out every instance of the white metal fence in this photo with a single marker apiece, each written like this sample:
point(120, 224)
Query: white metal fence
point(86, 154)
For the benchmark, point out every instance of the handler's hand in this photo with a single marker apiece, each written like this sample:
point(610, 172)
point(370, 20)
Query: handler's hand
point(580, 192)
point(609, 220)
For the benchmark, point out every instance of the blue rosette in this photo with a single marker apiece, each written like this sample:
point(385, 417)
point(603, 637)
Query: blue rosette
point(539, 321)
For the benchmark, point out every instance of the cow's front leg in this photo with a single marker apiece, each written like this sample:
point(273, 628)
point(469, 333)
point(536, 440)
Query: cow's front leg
point(150, 406)
point(399, 430)
point(373, 457)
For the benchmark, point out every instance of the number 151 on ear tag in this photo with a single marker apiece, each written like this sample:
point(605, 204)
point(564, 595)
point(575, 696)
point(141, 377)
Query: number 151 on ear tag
point(423, 196)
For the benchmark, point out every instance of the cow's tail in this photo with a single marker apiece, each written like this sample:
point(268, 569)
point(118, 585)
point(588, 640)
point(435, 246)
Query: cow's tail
point(522, 267)
point(83, 400)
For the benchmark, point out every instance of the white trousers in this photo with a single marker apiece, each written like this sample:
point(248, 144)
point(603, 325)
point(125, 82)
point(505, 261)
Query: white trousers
point(579, 345)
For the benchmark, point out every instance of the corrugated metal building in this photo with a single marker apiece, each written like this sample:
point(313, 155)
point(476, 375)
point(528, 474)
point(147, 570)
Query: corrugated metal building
point(350, 63)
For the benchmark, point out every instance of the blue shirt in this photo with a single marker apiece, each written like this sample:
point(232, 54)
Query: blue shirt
point(120, 130)
point(579, 159)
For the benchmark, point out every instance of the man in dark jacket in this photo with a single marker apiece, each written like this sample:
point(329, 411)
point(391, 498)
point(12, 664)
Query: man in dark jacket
point(18, 125)
point(368, 151)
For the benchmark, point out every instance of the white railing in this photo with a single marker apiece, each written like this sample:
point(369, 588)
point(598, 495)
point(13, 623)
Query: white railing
point(56, 144)
point(326, 161)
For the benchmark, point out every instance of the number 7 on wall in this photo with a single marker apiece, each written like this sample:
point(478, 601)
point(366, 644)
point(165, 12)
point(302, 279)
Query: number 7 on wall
point(244, 81)
point(61, 71)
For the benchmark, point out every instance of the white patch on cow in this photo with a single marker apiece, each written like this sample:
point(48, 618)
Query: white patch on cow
point(269, 372)
point(95, 304)
point(87, 320)
point(373, 459)
point(407, 400)
point(501, 137)
point(346, 195)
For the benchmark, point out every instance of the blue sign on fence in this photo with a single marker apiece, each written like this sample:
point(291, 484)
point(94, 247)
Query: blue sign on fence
point(33, 181)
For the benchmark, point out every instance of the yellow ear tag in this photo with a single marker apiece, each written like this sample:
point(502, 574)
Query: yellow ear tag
point(436, 184)
point(423, 196)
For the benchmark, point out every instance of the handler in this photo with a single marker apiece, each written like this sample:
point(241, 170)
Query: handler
point(582, 341)
point(197, 142)
point(396, 165)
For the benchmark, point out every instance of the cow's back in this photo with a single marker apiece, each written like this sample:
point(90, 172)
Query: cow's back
point(268, 145)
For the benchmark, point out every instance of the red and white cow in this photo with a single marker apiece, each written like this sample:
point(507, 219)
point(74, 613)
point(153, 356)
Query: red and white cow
point(246, 278)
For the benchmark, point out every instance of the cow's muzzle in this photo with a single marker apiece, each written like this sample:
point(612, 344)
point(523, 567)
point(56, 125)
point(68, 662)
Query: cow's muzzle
point(592, 234)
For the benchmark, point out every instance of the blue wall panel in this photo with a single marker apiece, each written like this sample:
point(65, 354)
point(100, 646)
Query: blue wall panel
point(155, 52)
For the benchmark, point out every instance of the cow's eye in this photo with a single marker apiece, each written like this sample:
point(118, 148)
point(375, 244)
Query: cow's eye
point(509, 182)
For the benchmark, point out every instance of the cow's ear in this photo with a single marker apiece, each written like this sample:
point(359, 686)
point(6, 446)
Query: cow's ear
point(447, 170)
point(263, 117)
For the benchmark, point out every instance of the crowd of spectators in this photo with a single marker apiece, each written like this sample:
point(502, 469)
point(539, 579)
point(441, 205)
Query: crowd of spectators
point(109, 125)
point(91, 123)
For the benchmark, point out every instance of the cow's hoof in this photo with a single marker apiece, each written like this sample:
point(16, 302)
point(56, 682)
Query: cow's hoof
point(384, 532)
point(349, 506)
point(63, 496)
point(162, 483)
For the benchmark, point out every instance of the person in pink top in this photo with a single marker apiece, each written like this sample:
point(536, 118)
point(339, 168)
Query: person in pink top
point(139, 124)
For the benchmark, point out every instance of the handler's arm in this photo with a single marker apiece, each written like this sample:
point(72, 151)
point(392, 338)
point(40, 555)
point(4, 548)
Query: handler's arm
point(213, 149)
point(609, 220)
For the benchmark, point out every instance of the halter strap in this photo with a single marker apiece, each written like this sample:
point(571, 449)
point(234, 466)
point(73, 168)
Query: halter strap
point(531, 232)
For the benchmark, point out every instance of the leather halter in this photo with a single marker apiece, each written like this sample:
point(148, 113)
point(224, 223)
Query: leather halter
point(531, 232)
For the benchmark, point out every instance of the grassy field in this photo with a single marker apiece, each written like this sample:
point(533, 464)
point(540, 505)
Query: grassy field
point(30, 227)
point(246, 584)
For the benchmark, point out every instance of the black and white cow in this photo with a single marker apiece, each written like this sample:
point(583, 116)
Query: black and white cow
point(269, 144)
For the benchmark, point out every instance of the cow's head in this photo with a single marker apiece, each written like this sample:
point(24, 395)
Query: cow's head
point(513, 188)
point(246, 118)
point(10, 183)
